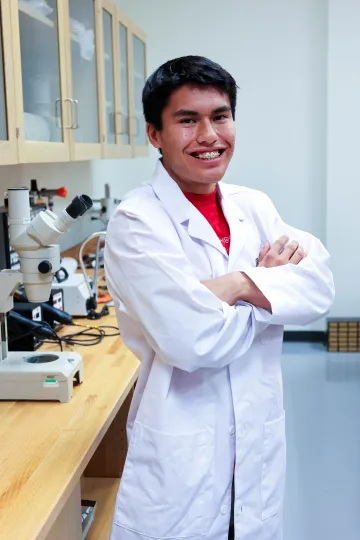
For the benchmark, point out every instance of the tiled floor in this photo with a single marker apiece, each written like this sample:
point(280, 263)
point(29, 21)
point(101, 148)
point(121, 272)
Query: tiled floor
point(322, 402)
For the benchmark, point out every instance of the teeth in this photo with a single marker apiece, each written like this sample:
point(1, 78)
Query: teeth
point(208, 155)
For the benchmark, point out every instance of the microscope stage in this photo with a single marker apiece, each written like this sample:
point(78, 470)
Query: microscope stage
point(40, 376)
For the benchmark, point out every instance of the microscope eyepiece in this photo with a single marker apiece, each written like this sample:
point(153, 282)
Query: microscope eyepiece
point(79, 205)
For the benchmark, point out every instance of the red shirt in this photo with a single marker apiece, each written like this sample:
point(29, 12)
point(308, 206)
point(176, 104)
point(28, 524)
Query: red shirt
point(210, 207)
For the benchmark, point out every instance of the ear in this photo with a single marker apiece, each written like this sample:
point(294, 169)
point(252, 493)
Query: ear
point(154, 135)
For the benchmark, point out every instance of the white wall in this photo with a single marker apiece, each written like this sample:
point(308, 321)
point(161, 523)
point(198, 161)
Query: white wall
point(277, 51)
point(77, 177)
point(278, 57)
point(343, 187)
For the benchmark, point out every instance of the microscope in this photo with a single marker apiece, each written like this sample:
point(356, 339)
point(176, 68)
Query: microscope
point(33, 375)
point(107, 206)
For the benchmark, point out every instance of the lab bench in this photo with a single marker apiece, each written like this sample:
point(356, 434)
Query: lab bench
point(53, 454)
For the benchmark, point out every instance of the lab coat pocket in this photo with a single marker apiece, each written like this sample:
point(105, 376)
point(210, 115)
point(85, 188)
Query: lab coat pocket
point(166, 488)
point(273, 467)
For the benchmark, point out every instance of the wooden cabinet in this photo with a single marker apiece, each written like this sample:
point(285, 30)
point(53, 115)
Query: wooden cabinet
point(8, 142)
point(111, 83)
point(124, 73)
point(42, 108)
point(83, 33)
point(137, 71)
point(71, 76)
point(52, 447)
point(125, 111)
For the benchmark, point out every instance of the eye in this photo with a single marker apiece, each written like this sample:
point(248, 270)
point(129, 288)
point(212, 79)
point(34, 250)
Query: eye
point(187, 121)
point(221, 117)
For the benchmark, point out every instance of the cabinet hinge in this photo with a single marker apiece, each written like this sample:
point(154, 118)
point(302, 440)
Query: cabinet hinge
point(17, 133)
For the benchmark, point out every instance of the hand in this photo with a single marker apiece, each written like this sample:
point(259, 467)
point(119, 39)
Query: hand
point(278, 255)
point(237, 286)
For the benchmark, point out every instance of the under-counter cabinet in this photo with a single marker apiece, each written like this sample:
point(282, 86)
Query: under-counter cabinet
point(71, 76)
point(52, 455)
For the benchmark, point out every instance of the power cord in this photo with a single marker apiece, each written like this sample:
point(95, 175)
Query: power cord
point(40, 338)
point(89, 335)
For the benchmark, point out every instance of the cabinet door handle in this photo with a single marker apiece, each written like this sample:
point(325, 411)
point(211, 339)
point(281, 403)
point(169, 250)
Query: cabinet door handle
point(75, 106)
point(137, 126)
point(58, 111)
point(121, 132)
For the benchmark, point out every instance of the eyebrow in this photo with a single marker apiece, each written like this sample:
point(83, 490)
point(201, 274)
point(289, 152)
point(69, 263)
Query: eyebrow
point(224, 108)
point(187, 112)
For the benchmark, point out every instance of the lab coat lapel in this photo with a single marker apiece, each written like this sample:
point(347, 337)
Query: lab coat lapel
point(237, 224)
point(180, 209)
point(200, 229)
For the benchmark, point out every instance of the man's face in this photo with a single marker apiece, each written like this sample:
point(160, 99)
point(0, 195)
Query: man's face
point(197, 137)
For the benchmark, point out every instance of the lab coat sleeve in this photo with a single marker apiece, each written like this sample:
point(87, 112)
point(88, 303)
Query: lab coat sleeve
point(185, 324)
point(299, 294)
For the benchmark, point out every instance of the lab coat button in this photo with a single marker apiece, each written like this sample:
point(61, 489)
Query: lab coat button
point(232, 430)
point(224, 510)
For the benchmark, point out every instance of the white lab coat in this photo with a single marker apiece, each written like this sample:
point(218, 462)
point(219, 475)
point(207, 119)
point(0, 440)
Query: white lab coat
point(210, 387)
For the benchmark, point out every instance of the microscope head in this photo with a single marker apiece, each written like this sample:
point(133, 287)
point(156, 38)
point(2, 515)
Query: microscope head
point(36, 241)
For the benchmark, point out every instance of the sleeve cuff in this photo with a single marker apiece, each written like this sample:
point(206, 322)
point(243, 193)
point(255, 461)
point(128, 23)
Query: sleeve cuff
point(262, 277)
point(261, 317)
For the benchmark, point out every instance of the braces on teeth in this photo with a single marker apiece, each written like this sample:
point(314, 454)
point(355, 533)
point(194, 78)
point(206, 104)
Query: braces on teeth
point(209, 155)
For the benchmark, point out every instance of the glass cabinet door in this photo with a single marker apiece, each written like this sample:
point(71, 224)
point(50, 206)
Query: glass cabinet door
point(138, 70)
point(47, 112)
point(3, 112)
point(84, 76)
point(108, 51)
point(39, 45)
point(8, 142)
point(124, 85)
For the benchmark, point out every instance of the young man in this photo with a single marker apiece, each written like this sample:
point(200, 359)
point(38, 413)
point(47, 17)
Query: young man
point(204, 275)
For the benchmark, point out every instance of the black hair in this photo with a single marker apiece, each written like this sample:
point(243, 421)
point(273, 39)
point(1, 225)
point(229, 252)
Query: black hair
point(196, 70)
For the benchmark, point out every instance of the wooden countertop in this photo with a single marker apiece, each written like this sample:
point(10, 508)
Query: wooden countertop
point(46, 446)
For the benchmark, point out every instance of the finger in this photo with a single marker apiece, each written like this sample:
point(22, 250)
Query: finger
point(279, 244)
point(289, 250)
point(263, 252)
point(297, 256)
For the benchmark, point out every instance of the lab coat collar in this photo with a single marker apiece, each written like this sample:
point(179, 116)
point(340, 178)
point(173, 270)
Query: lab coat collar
point(169, 193)
point(235, 219)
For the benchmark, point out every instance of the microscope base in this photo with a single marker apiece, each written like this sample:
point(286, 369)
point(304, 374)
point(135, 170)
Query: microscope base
point(33, 376)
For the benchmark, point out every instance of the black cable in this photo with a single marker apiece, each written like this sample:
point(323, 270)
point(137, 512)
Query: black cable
point(87, 337)
point(56, 337)
point(42, 341)
point(112, 328)
point(22, 336)
point(87, 332)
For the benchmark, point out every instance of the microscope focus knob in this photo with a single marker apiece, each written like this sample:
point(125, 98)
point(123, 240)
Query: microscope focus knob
point(45, 267)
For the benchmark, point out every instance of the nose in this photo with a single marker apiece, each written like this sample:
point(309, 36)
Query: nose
point(206, 133)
